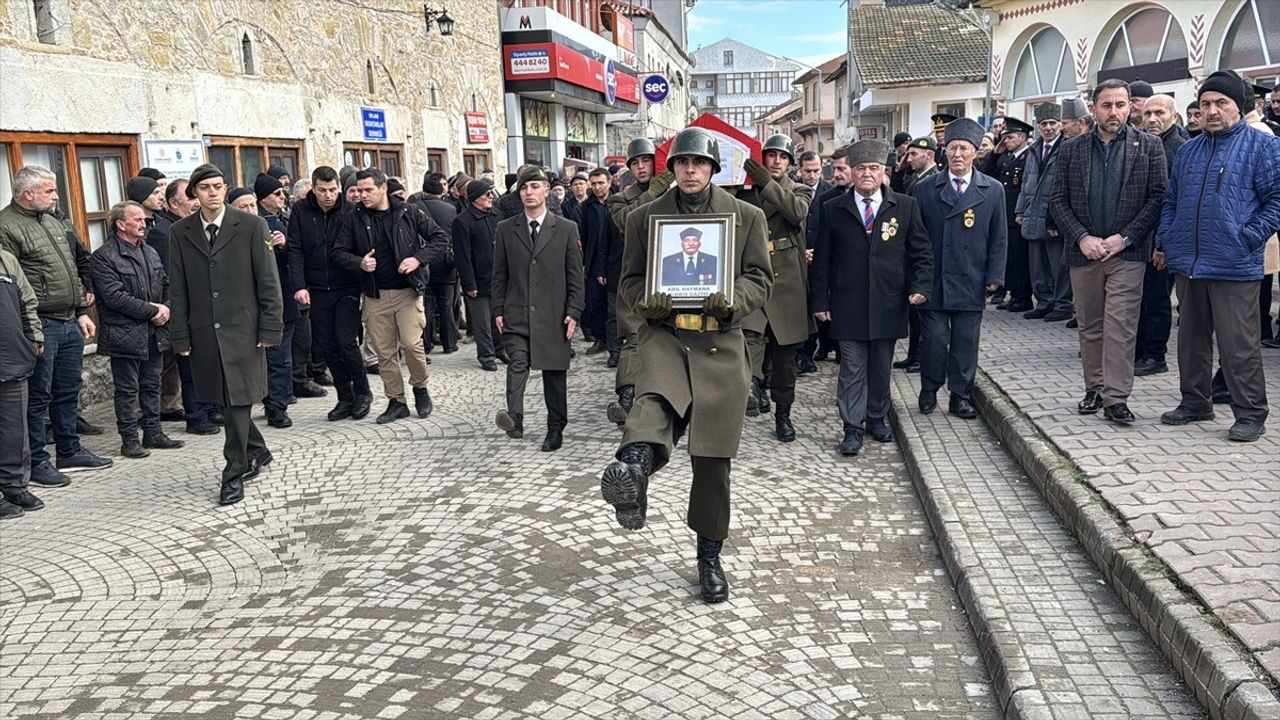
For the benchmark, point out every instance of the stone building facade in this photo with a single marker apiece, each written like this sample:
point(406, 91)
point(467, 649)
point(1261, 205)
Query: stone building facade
point(97, 89)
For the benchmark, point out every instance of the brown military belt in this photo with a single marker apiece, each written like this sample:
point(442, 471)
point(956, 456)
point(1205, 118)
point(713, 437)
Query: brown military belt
point(782, 243)
point(697, 323)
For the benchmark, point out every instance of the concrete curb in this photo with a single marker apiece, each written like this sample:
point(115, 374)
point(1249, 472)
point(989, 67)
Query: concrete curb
point(1210, 660)
point(1015, 686)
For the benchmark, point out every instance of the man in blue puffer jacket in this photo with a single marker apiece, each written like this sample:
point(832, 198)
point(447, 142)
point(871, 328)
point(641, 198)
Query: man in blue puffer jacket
point(1221, 204)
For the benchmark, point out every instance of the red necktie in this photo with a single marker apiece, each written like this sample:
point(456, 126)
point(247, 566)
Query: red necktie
point(868, 217)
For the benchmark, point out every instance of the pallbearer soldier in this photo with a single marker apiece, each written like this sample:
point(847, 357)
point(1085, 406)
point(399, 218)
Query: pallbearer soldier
point(691, 369)
point(784, 322)
point(537, 300)
point(640, 155)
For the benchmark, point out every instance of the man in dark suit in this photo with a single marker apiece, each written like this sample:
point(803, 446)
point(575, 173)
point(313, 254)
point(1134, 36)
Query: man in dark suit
point(690, 266)
point(280, 376)
point(473, 235)
point(963, 210)
point(809, 173)
point(537, 300)
point(1050, 281)
point(1106, 202)
point(1007, 163)
point(602, 261)
point(873, 260)
point(226, 310)
point(820, 344)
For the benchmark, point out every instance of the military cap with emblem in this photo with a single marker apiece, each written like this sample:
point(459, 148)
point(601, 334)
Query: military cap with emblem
point(530, 174)
point(1014, 125)
point(941, 120)
point(925, 143)
point(206, 171)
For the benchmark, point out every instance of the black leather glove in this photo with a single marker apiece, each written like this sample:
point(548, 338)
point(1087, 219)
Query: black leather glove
point(759, 174)
point(717, 306)
point(656, 307)
point(659, 183)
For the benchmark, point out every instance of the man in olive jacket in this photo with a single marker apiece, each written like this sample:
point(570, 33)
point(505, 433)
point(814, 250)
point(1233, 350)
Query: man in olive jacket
point(538, 296)
point(226, 310)
point(784, 322)
point(691, 371)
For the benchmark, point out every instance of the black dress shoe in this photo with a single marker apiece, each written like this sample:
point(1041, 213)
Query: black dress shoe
point(1036, 314)
point(805, 365)
point(131, 448)
point(84, 427)
point(396, 410)
point(1091, 403)
point(1272, 343)
point(1182, 415)
point(879, 430)
point(1073, 323)
point(962, 408)
point(928, 401)
point(232, 492)
point(341, 411)
point(782, 426)
point(1245, 430)
point(422, 402)
point(1149, 366)
point(612, 362)
point(1018, 306)
point(24, 500)
point(158, 440)
point(852, 442)
point(256, 463)
point(1058, 316)
point(309, 389)
point(554, 439)
point(912, 368)
point(511, 423)
point(278, 418)
point(173, 416)
point(360, 406)
point(323, 380)
point(370, 369)
point(216, 417)
point(489, 366)
point(1119, 413)
point(998, 297)
point(625, 483)
point(204, 427)
point(713, 584)
point(904, 363)
point(597, 347)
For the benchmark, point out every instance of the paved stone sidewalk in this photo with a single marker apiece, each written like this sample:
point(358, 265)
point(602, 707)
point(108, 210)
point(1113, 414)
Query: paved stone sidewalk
point(1208, 508)
point(1058, 641)
point(435, 569)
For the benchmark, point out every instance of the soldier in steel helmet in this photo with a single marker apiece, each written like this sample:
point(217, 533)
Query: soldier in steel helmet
point(784, 323)
point(647, 188)
point(690, 369)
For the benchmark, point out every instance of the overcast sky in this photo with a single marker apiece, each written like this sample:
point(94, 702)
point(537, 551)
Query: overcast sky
point(807, 31)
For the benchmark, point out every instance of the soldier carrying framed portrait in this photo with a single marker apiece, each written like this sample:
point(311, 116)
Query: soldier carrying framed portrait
point(687, 258)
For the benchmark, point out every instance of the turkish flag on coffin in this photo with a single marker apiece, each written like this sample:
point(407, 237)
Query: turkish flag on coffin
point(735, 147)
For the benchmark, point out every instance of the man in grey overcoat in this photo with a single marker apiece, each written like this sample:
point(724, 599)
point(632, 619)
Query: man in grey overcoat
point(538, 296)
point(226, 310)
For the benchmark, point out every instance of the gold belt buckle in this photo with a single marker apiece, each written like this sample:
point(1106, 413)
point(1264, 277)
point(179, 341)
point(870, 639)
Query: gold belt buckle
point(696, 323)
point(771, 246)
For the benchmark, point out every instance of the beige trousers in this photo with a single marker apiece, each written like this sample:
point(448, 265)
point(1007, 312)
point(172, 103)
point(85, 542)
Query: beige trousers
point(1108, 297)
point(393, 324)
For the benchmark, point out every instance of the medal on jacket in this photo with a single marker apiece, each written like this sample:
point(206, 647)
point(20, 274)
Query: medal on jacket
point(969, 218)
point(889, 229)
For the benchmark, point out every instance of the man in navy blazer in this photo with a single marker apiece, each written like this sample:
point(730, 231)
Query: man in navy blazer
point(690, 266)
point(964, 212)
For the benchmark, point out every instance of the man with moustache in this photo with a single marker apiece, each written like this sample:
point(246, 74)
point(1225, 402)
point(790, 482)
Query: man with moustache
point(280, 378)
point(778, 328)
point(920, 161)
point(964, 213)
point(1106, 202)
point(332, 291)
point(537, 300)
point(133, 314)
point(692, 370)
point(226, 310)
point(872, 262)
point(1155, 318)
point(647, 188)
point(1044, 251)
point(1008, 164)
point(1193, 119)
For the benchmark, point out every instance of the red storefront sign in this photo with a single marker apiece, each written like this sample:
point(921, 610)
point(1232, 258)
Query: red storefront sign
point(540, 61)
point(477, 128)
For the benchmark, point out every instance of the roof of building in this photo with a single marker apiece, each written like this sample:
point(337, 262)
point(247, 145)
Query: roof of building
point(780, 111)
point(916, 45)
point(825, 70)
point(746, 59)
point(747, 100)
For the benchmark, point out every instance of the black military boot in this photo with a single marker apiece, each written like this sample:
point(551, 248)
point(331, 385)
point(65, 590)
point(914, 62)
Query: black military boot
point(715, 587)
point(625, 484)
point(762, 397)
point(782, 426)
point(753, 398)
point(618, 409)
point(555, 437)
point(422, 402)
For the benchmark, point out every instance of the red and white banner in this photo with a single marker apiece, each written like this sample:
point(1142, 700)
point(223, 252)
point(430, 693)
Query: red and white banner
point(735, 147)
point(477, 128)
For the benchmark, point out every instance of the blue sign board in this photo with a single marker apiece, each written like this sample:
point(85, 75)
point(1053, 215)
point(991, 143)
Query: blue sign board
point(373, 123)
point(610, 82)
point(656, 88)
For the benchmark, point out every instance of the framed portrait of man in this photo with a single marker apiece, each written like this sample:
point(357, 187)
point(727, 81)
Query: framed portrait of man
point(690, 258)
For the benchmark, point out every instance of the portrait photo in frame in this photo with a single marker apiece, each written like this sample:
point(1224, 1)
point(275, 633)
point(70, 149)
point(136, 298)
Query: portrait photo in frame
point(691, 258)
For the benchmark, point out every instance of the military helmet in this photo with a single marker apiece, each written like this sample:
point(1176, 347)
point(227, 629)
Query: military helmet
point(640, 147)
point(781, 143)
point(694, 142)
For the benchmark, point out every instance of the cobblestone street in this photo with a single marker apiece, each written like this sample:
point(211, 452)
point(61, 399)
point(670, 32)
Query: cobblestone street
point(434, 568)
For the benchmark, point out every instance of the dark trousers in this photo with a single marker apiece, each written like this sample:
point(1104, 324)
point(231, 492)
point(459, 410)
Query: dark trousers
point(949, 349)
point(54, 389)
point(1017, 271)
point(782, 370)
point(15, 452)
point(242, 442)
point(1050, 277)
point(652, 420)
point(1224, 311)
point(280, 370)
point(819, 343)
point(1264, 306)
point(595, 313)
point(555, 383)
point(303, 369)
point(913, 334)
point(335, 323)
point(480, 323)
point(170, 384)
point(137, 392)
point(1155, 320)
point(194, 410)
point(862, 390)
point(440, 320)
point(611, 322)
